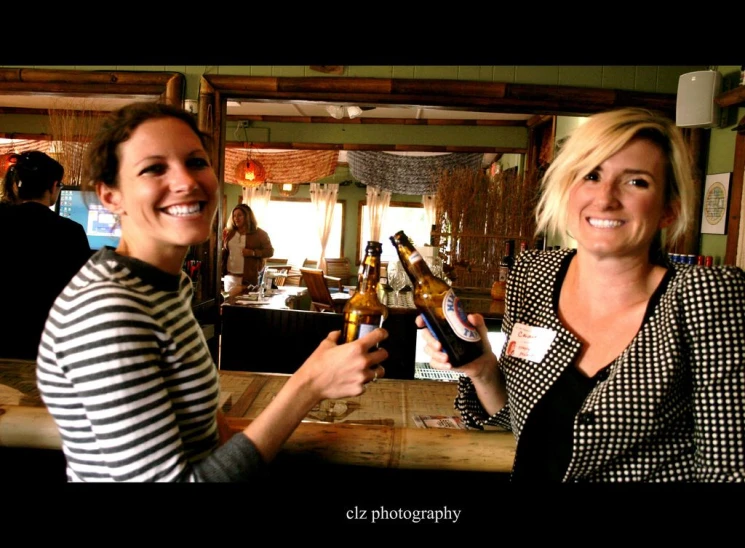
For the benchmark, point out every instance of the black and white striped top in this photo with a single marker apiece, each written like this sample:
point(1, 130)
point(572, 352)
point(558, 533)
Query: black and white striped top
point(124, 369)
point(672, 405)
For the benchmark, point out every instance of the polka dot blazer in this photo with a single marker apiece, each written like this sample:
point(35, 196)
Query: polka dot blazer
point(672, 407)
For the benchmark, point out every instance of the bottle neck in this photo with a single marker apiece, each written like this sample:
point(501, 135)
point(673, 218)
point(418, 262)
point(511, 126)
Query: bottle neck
point(370, 273)
point(508, 249)
point(413, 262)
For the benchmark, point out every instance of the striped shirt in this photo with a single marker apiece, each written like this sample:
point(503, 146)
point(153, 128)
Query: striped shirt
point(125, 371)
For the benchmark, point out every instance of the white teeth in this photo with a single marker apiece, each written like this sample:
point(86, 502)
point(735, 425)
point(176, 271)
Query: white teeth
point(179, 210)
point(604, 223)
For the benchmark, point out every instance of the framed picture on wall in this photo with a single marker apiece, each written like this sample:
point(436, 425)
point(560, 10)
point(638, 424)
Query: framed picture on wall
point(716, 197)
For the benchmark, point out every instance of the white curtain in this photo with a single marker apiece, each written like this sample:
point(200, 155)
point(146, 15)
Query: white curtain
point(378, 201)
point(257, 198)
point(430, 209)
point(323, 197)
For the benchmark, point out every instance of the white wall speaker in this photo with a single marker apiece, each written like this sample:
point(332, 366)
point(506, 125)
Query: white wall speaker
point(695, 105)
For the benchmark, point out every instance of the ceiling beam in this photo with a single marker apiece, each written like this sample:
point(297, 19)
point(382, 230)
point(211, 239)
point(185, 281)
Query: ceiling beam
point(365, 121)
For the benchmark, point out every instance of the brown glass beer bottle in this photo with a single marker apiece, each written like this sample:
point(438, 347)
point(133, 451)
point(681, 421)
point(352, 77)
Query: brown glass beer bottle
point(364, 311)
point(439, 306)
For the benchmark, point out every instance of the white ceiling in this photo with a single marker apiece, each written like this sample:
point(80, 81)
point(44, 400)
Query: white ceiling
point(256, 108)
point(310, 109)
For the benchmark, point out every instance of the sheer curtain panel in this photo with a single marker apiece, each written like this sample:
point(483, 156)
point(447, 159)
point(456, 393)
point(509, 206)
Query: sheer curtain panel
point(257, 198)
point(323, 197)
point(378, 201)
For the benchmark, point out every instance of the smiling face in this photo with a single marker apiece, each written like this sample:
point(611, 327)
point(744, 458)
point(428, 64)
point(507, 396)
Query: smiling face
point(616, 209)
point(166, 195)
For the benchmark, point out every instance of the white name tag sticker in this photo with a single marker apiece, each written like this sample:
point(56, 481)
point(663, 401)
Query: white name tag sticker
point(529, 343)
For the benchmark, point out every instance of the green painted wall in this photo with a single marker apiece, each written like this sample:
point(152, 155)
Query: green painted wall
point(721, 158)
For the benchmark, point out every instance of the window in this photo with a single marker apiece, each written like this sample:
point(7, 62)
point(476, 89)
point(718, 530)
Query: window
point(406, 216)
point(291, 225)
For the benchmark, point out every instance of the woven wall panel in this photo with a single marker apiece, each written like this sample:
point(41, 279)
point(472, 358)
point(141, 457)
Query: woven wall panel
point(407, 174)
point(292, 166)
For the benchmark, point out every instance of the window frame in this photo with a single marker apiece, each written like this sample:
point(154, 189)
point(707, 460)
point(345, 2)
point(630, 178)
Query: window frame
point(342, 202)
point(360, 245)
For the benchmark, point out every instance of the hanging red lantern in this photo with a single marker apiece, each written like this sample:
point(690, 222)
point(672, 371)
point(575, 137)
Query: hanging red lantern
point(250, 173)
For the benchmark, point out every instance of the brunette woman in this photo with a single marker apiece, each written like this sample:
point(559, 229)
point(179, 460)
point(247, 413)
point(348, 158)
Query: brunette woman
point(247, 247)
point(41, 251)
point(123, 366)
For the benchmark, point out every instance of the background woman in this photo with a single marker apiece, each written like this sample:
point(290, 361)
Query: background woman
point(41, 250)
point(123, 366)
point(247, 246)
point(624, 367)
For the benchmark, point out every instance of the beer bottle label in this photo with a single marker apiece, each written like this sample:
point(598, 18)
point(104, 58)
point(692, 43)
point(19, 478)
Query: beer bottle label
point(456, 316)
point(365, 328)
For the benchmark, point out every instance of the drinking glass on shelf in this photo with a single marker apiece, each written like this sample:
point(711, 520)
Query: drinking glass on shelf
point(397, 279)
point(436, 268)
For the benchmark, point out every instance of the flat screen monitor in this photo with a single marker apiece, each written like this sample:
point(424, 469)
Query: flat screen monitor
point(101, 226)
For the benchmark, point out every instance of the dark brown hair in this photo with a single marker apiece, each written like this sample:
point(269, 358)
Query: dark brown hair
point(30, 175)
point(102, 156)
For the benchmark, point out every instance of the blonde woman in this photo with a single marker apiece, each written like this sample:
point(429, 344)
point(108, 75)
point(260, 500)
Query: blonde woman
point(619, 366)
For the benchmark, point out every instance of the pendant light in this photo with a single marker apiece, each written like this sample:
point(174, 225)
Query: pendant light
point(250, 173)
point(288, 189)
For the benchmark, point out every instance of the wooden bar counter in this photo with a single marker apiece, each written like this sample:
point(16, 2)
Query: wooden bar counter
point(377, 429)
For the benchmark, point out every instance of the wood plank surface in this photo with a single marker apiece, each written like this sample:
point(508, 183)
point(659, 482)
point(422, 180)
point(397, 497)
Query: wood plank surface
point(376, 429)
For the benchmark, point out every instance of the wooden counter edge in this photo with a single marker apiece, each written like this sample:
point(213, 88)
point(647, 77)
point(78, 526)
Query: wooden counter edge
point(347, 444)
point(383, 446)
point(26, 426)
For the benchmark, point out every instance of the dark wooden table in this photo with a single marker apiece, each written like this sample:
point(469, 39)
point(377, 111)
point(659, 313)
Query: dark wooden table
point(273, 337)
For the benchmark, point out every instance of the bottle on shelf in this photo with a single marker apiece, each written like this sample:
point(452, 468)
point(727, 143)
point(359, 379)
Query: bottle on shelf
point(438, 304)
point(540, 243)
point(364, 311)
point(499, 287)
point(508, 260)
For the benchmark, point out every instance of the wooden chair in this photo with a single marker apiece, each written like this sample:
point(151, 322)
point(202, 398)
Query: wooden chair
point(294, 276)
point(337, 272)
point(320, 296)
point(281, 269)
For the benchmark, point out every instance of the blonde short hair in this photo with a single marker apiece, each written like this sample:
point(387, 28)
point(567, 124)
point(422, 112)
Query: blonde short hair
point(599, 138)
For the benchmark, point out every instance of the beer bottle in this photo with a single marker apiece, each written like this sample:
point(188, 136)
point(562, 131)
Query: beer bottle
point(364, 311)
point(499, 287)
point(439, 306)
point(507, 262)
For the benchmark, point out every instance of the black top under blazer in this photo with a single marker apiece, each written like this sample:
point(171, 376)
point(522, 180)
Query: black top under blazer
point(672, 407)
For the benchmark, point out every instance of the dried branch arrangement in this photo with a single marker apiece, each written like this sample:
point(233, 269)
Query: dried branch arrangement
point(71, 131)
point(476, 213)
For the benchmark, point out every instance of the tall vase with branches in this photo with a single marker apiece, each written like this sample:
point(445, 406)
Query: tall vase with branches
point(71, 130)
point(476, 213)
